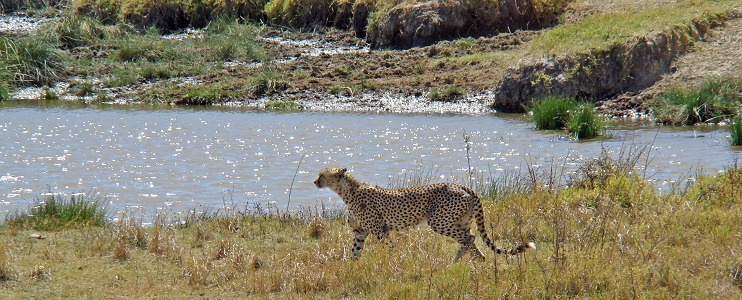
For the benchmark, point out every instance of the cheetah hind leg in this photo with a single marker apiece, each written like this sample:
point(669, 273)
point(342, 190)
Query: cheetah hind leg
point(467, 245)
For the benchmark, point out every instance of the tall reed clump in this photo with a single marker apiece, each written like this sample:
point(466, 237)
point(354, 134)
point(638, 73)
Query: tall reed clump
point(714, 101)
point(551, 113)
point(584, 123)
point(735, 131)
point(73, 30)
point(555, 113)
point(31, 61)
point(54, 212)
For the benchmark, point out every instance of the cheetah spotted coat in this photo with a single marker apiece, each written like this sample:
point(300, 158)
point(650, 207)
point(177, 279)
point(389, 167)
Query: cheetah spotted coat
point(447, 208)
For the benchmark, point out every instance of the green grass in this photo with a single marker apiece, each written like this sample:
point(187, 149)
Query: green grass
point(55, 212)
point(451, 93)
point(735, 131)
point(4, 91)
point(267, 82)
point(74, 30)
point(31, 61)
point(604, 31)
point(551, 113)
point(615, 240)
point(579, 119)
point(716, 100)
point(203, 95)
point(584, 123)
point(284, 106)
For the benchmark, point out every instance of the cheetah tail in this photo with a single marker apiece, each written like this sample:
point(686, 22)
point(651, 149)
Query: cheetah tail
point(479, 215)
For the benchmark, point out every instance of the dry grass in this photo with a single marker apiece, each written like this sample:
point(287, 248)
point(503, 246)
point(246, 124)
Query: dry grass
point(618, 239)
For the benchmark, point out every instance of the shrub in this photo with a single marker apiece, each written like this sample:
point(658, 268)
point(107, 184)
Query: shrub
point(735, 130)
point(584, 123)
point(551, 113)
point(54, 212)
point(714, 101)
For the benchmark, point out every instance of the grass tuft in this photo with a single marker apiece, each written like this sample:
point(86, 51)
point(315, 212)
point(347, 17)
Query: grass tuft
point(716, 100)
point(584, 123)
point(735, 131)
point(448, 94)
point(31, 61)
point(54, 212)
point(285, 106)
point(551, 113)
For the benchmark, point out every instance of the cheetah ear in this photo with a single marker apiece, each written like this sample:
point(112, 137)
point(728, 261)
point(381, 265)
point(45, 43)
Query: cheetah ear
point(342, 171)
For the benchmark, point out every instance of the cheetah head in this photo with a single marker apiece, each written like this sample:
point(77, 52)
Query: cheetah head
point(329, 177)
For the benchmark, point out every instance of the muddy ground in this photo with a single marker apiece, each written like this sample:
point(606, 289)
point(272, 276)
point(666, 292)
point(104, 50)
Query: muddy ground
point(333, 70)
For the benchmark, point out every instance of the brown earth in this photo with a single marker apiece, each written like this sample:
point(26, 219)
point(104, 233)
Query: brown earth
point(719, 56)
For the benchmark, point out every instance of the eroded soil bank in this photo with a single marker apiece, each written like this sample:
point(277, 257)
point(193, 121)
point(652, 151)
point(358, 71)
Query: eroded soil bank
point(329, 69)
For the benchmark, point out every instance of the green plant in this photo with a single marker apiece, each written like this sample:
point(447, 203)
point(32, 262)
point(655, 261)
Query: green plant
point(54, 212)
point(31, 61)
point(82, 88)
point(203, 95)
point(73, 30)
point(584, 123)
point(282, 106)
point(735, 131)
point(268, 82)
point(49, 94)
point(714, 101)
point(4, 91)
point(552, 113)
point(450, 93)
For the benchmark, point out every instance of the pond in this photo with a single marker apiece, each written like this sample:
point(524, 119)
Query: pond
point(176, 159)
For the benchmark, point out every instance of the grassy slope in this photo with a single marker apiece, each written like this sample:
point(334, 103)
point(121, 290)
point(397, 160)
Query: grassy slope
point(613, 237)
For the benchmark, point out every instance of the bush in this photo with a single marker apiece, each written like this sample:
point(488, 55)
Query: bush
point(714, 101)
point(300, 13)
point(551, 113)
point(53, 212)
point(584, 123)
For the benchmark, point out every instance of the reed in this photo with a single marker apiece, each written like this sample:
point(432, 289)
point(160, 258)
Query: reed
point(584, 123)
point(552, 113)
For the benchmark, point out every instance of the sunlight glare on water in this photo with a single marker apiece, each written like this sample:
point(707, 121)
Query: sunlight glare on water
point(178, 159)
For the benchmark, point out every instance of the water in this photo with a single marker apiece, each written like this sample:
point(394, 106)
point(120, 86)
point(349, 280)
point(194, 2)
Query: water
point(177, 159)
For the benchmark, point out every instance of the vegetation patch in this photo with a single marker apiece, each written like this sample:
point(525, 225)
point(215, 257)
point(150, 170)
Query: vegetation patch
point(651, 239)
point(31, 61)
point(203, 95)
point(449, 94)
point(584, 123)
point(554, 113)
point(54, 212)
point(285, 106)
point(735, 131)
point(716, 100)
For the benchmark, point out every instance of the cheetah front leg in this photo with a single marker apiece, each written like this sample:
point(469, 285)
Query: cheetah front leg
point(360, 236)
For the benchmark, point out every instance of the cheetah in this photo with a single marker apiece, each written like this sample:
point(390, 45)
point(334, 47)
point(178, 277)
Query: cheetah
point(446, 207)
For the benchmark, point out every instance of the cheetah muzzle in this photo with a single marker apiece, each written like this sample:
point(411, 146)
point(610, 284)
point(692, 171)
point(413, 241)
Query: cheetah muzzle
point(447, 208)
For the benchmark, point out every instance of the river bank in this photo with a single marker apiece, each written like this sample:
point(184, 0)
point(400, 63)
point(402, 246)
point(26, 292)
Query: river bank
point(329, 69)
